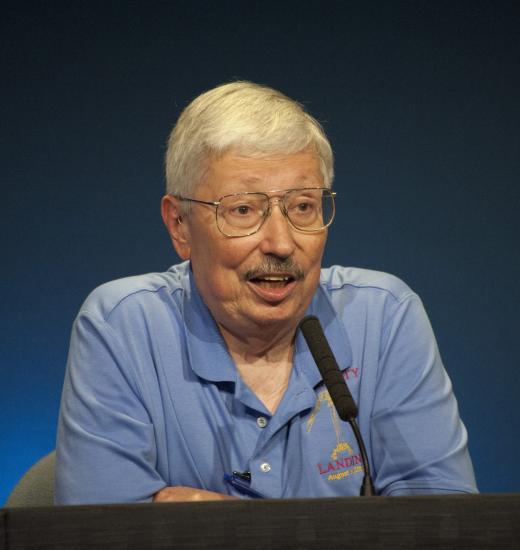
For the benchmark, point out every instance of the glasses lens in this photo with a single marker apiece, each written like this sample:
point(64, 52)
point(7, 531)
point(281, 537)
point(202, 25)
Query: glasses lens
point(241, 214)
point(310, 209)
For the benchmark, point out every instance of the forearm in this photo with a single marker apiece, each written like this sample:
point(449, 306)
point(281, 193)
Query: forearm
point(188, 494)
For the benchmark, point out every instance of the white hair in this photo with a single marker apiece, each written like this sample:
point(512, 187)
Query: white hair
point(253, 119)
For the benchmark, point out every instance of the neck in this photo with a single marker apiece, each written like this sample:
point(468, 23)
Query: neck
point(264, 364)
point(259, 344)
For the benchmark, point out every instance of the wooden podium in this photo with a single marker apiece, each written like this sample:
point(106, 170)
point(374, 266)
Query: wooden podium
point(459, 522)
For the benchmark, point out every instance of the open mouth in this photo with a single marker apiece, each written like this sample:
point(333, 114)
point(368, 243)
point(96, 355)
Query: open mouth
point(272, 281)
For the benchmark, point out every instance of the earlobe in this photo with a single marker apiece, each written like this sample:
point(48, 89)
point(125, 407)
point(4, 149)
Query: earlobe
point(176, 225)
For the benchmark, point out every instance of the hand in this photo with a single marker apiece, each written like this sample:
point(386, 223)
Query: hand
point(188, 494)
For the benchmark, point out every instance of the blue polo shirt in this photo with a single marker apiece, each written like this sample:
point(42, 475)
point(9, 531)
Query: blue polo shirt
point(152, 398)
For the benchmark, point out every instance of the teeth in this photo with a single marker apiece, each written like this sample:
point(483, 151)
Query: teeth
point(275, 279)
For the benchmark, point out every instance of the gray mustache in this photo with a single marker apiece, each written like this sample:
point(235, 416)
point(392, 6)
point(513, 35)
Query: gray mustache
point(273, 265)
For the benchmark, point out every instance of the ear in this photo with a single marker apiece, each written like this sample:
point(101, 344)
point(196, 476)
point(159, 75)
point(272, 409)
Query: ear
point(176, 225)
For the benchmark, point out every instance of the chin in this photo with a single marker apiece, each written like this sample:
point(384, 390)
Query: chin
point(276, 317)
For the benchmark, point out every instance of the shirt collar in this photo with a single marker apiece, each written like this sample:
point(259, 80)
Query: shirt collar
point(207, 350)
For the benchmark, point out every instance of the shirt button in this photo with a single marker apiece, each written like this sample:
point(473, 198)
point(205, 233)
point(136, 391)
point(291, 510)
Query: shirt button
point(265, 467)
point(261, 421)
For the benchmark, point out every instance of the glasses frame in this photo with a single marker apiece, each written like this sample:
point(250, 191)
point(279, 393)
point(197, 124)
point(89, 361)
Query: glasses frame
point(281, 204)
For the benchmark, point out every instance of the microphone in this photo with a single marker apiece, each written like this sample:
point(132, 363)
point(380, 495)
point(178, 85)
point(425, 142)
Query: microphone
point(328, 367)
point(337, 388)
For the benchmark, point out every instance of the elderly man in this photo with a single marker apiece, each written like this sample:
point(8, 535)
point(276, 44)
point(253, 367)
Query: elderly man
point(196, 383)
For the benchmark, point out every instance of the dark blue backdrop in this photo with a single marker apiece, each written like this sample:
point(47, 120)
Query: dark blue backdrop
point(420, 100)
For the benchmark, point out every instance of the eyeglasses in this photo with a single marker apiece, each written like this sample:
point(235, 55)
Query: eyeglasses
point(309, 209)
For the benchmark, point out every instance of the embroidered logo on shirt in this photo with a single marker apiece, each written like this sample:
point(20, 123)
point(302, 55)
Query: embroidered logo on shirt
point(338, 467)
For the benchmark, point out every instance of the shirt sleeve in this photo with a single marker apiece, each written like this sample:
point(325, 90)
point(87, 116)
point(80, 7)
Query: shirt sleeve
point(419, 444)
point(106, 448)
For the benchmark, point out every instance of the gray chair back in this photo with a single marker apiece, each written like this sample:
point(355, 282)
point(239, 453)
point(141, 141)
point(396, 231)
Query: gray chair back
point(36, 488)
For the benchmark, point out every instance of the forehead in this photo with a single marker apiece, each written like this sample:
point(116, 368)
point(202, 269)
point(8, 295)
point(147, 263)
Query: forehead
point(233, 172)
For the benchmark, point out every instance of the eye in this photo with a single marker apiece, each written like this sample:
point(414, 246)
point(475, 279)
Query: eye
point(304, 207)
point(241, 210)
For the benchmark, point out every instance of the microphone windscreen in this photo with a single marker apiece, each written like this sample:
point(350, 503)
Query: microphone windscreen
point(328, 367)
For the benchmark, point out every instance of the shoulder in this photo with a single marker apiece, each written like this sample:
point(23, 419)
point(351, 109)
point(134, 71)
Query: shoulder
point(358, 281)
point(140, 291)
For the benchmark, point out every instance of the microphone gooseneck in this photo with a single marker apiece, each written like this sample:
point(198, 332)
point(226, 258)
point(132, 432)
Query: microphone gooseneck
point(337, 387)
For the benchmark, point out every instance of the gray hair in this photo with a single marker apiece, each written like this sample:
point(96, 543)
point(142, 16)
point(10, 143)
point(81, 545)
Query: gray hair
point(254, 119)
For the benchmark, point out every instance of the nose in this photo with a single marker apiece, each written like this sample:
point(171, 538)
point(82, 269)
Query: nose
point(276, 233)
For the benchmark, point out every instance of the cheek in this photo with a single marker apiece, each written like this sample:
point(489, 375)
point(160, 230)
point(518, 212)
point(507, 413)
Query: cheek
point(221, 259)
point(312, 250)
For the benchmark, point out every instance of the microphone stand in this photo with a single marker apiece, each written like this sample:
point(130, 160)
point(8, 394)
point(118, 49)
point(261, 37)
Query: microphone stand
point(338, 390)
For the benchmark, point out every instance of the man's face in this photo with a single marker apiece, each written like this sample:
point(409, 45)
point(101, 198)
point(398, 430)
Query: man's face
point(266, 279)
